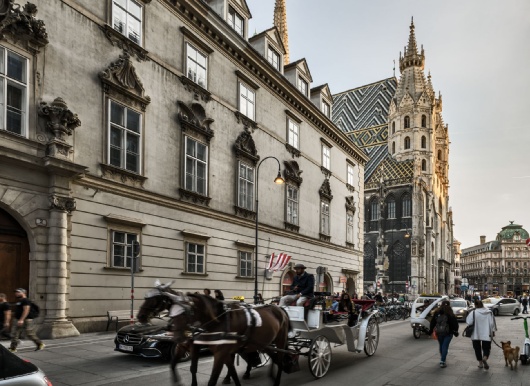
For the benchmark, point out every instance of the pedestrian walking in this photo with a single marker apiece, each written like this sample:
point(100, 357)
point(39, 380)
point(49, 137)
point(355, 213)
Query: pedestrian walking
point(483, 332)
point(5, 317)
point(524, 302)
point(445, 324)
point(23, 322)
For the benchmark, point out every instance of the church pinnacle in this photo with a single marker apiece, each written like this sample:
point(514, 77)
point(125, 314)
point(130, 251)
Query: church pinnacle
point(411, 57)
point(280, 22)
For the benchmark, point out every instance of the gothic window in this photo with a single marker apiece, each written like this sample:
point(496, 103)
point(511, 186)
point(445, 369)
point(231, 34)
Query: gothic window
point(369, 263)
point(407, 122)
point(236, 21)
point(407, 206)
point(424, 142)
point(247, 101)
point(393, 127)
point(393, 147)
point(273, 57)
point(13, 92)
point(374, 210)
point(293, 133)
point(391, 207)
point(127, 19)
point(439, 155)
point(196, 166)
point(407, 143)
point(423, 165)
point(196, 65)
point(423, 121)
point(125, 135)
point(293, 201)
point(324, 217)
point(246, 187)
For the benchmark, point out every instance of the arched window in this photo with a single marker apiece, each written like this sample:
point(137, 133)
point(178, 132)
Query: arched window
point(439, 155)
point(406, 206)
point(423, 165)
point(407, 143)
point(423, 121)
point(407, 122)
point(393, 147)
point(424, 142)
point(394, 127)
point(390, 207)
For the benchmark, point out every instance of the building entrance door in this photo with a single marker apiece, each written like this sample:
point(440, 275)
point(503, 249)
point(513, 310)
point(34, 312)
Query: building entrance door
point(14, 256)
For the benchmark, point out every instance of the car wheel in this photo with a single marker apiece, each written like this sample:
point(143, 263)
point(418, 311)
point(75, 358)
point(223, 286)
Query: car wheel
point(496, 312)
point(516, 311)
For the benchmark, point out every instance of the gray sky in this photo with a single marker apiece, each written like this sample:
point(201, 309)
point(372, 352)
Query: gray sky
point(478, 54)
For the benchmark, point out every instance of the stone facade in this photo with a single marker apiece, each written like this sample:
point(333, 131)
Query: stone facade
point(153, 129)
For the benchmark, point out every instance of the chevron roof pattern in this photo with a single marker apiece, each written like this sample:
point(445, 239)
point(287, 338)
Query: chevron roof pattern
point(392, 171)
point(362, 114)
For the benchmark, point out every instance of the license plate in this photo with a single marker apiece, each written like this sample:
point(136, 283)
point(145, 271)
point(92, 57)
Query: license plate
point(125, 348)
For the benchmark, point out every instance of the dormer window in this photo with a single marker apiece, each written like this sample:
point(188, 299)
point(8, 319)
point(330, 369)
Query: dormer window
point(127, 19)
point(236, 21)
point(302, 85)
point(326, 109)
point(273, 58)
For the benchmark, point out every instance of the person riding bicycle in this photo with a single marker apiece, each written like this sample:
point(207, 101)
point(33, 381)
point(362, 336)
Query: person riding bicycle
point(301, 288)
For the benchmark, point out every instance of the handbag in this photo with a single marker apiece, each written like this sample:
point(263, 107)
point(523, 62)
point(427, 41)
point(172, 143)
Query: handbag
point(468, 331)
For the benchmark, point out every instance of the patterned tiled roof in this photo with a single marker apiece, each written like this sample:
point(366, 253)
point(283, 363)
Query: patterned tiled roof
point(390, 171)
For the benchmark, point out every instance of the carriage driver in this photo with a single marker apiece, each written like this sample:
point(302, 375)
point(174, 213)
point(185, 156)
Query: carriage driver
point(301, 288)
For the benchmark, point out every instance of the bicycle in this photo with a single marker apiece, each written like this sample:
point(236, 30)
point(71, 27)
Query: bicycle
point(525, 356)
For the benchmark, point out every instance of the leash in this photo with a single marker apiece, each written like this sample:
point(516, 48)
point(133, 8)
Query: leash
point(496, 344)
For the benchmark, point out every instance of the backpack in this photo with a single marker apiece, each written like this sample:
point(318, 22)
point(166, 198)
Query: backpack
point(442, 325)
point(34, 311)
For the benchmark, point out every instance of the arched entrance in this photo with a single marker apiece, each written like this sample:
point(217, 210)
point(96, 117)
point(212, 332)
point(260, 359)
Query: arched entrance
point(14, 256)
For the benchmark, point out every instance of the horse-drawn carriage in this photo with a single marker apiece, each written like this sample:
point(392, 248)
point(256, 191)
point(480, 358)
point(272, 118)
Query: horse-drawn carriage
point(284, 334)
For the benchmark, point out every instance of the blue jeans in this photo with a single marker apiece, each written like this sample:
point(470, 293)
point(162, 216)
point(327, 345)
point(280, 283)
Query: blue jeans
point(444, 346)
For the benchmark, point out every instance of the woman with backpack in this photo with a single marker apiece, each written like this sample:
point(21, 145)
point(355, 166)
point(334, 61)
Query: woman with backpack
point(445, 324)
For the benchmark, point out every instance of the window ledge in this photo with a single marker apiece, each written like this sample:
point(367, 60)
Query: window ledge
point(246, 121)
point(246, 213)
point(249, 278)
point(293, 150)
point(195, 89)
point(122, 269)
point(351, 188)
point(121, 41)
point(350, 245)
point(123, 176)
point(193, 197)
point(324, 237)
point(292, 227)
point(193, 274)
point(326, 171)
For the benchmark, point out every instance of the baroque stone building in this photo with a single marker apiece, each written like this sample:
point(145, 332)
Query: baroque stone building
point(408, 221)
point(501, 266)
point(147, 122)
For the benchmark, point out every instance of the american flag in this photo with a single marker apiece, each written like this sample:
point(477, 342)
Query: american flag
point(278, 264)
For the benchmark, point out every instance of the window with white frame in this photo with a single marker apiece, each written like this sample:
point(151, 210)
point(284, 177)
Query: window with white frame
point(292, 204)
point(350, 176)
point(273, 58)
point(349, 227)
point(391, 207)
point(13, 92)
point(196, 65)
point(324, 217)
point(294, 132)
point(246, 187)
point(195, 258)
point(247, 98)
point(127, 19)
point(122, 249)
point(125, 135)
point(302, 85)
point(326, 157)
point(245, 264)
point(326, 109)
point(236, 21)
point(196, 166)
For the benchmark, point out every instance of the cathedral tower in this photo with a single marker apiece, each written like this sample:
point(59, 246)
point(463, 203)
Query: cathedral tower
point(280, 22)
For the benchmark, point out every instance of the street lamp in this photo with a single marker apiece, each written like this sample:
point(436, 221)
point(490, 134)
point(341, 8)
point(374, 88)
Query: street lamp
point(278, 180)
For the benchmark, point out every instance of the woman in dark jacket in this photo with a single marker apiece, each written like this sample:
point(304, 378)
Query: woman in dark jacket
point(444, 316)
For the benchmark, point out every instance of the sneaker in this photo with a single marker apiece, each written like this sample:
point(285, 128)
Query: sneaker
point(486, 366)
point(480, 365)
point(442, 364)
point(40, 346)
point(13, 349)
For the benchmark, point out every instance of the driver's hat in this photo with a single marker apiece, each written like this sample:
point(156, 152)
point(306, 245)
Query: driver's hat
point(299, 265)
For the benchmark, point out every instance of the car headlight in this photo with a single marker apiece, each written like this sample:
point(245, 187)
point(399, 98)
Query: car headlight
point(460, 311)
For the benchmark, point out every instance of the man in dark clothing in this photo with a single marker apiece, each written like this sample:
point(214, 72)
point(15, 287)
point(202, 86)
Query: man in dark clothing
point(524, 302)
point(302, 287)
point(5, 317)
point(23, 322)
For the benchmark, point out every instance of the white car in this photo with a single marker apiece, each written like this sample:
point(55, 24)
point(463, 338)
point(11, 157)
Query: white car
point(15, 371)
point(461, 307)
point(503, 306)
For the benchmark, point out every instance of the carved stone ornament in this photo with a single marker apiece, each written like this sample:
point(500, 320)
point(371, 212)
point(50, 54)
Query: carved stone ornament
point(67, 204)
point(61, 121)
point(245, 147)
point(325, 190)
point(291, 227)
point(350, 204)
point(194, 118)
point(123, 176)
point(327, 173)
point(292, 172)
point(293, 150)
point(242, 212)
point(246, 121)
point(197, 91)
point(350, 188)
point(21, 24)
point(120, 78)
point(123, 42)
point(193, 197)
point(324, 237)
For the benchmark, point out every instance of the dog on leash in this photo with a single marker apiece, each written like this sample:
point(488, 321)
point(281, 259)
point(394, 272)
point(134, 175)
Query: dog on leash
point(510, 354)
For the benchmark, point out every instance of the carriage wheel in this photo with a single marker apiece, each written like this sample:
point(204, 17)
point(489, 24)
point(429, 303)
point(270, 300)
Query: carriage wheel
point(416, 332)
point(319, 357)
point(372, 338)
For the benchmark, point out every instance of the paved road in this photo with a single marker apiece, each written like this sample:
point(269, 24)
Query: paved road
point(400, 360)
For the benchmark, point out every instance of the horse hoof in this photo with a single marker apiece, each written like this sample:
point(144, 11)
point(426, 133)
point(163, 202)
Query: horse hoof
point(246, 376)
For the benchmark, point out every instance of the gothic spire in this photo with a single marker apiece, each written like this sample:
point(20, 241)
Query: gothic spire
point(280, 22)
point(411, 57)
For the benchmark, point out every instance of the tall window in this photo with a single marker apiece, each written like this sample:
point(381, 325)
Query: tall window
point(294, 130)
point(122, 249)
point(393, 127)
point(245, 264)
point(13, 92)
point(127, 19)
point(407, 206)
point(407, 122)
point(423, 165)
point(393, 147)
point(124, 137)
point(246, 187)
point(326, 157)
point(350, 174)
point(423, 142)
point(407, 143)
point(324, 217)
point(440, 155)
point(349, 227)
point(195, 258)
point(326, 109)
point(423, 121)
point(236, 21)
point(196, 65)
point(196, 167)
point(374, 210)
point(247, 98)
point(302, 85)
point(292, 204)
point(391, 207)
point(274, 58)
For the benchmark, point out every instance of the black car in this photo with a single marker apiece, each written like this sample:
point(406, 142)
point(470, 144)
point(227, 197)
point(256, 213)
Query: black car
point(152, 340)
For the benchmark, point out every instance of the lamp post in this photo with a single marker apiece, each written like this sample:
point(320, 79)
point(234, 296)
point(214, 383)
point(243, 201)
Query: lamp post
point(278, 180)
